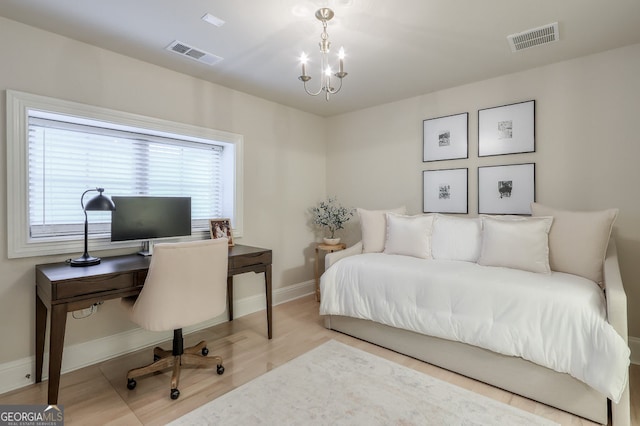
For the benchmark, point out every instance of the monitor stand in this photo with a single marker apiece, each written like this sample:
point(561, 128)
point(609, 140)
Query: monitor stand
point(146, 248)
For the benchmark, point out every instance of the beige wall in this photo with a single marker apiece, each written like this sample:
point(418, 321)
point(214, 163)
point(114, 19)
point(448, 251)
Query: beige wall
point(284, 162)
point(587, 146)
point(586, 135)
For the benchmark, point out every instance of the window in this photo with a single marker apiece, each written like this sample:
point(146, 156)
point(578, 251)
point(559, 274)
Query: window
point(58, 149)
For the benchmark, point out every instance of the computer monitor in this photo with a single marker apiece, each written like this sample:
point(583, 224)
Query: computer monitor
point(147, 217)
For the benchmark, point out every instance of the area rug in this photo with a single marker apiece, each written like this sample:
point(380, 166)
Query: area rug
point(335, 384)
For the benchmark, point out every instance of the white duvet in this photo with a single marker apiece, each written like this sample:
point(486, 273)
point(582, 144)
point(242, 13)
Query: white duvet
point(556, 320)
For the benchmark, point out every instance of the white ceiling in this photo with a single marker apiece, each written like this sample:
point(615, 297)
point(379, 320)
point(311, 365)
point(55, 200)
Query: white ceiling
point(395, 49)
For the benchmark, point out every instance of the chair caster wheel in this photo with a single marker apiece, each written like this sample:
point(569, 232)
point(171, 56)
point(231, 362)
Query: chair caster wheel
point(220, 370)
point(175, 393)
point(205, 351)
point(131, 384)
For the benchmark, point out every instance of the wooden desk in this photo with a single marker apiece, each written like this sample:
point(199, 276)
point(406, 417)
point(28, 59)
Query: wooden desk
point(62, 288)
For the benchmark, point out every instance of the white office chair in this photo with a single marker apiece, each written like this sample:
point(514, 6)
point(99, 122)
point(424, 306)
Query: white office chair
point(186, 284)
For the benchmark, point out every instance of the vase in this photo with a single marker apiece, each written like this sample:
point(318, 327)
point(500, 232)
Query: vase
point(331, 241)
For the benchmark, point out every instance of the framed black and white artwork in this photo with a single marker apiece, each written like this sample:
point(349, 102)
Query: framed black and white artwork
point(508, 129)
point(506, 189)
point(445, 138)
point(445, 191)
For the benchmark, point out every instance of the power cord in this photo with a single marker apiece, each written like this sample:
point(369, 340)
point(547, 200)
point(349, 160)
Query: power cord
point(93, 308)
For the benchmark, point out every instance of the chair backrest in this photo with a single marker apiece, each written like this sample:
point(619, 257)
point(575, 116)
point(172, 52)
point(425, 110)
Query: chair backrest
point(186, 284)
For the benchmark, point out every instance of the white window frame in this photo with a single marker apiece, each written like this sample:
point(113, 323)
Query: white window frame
point(19, 243)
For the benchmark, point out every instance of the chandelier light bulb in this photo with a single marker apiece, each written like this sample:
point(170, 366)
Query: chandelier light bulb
point(303, 61)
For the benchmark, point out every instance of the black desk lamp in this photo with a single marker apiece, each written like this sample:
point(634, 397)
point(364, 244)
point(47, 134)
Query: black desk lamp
point(101, 203)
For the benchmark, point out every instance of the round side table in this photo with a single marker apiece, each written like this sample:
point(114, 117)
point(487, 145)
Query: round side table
point(329, 249)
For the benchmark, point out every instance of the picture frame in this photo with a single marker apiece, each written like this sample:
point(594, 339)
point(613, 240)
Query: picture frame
point(221, 228)
point(508, 189)
point(507, 129)
point(445, 138)
point(445, 191)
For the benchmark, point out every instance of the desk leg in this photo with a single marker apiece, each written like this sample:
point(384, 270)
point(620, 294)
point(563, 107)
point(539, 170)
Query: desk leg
point(267, 284)
point(41, 329)
point(230, 296)
point(56, 344)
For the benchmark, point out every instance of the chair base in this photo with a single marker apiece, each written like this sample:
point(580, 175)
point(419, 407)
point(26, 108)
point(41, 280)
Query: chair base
point(194, 356)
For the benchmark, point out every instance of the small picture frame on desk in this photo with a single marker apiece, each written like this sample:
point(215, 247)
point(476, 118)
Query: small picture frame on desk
point(221, 228)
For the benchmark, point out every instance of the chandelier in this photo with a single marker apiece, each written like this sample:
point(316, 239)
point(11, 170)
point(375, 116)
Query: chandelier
point(324, 15)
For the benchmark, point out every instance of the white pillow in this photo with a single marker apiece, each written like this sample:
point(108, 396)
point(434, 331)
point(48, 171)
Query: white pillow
point(516, 243)
point(456, 238)
point(409, 235)
point(578, 240)
point(373, 224)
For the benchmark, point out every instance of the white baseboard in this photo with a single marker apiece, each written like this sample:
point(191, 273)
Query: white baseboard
point(19, 373)
point(16, 374)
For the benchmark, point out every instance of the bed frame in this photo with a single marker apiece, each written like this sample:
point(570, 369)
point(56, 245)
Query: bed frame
point(513, 374)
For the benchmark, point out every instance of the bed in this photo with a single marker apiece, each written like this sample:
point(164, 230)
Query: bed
point(515, 329)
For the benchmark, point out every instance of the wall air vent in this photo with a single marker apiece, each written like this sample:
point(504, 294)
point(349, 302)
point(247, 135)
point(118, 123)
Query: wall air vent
point(199, 55)
point(534, 37)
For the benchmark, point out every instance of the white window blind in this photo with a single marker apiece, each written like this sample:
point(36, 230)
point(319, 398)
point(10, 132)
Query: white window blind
point(65, 158)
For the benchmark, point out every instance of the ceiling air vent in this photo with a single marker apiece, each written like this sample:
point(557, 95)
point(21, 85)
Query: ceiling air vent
point(534, 37)
point(193, 53)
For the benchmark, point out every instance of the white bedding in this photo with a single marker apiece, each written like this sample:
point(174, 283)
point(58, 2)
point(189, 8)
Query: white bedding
point(556, 320)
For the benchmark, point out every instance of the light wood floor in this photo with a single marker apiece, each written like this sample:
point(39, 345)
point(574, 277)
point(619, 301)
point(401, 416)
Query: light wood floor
point(98, 394)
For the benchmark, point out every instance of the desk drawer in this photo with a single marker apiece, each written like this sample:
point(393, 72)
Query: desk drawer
point(237, 262)
point(93, 285)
